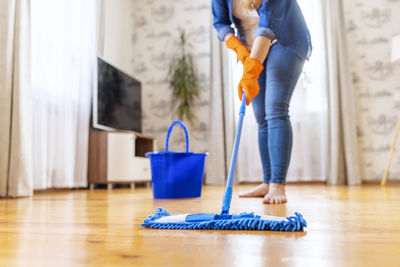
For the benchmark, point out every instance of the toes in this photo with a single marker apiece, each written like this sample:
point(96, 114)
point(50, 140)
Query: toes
point(274, 200)
point(282, 200)
point(269, 200)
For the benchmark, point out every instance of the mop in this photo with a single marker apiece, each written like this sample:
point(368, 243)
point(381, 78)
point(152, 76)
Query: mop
point(162, 219)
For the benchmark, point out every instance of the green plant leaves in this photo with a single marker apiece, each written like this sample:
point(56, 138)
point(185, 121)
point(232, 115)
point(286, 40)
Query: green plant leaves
point(183, 81)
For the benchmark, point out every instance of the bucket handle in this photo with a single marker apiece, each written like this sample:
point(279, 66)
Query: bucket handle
point(169, 133)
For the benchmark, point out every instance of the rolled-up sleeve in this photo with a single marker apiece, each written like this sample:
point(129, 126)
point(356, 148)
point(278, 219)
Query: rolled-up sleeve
point(267, 32)
point(221, 19)
point(223, 31)
point(264, 28)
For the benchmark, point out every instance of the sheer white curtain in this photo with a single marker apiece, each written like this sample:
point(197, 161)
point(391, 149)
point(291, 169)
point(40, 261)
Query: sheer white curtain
point(222, 119)
point(308, 111)
point(63, 62)
point(309, 107)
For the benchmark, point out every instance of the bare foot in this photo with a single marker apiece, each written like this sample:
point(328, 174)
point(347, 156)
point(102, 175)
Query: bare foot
point(258, 191)
point(276, 194)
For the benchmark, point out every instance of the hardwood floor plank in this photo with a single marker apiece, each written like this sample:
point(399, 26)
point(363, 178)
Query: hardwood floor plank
point(348, 226)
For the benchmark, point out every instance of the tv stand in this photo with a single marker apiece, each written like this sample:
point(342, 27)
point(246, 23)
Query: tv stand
point(118, 157)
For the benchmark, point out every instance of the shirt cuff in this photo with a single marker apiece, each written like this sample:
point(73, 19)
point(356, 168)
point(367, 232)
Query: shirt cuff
point(267, 32)
point(223, 31)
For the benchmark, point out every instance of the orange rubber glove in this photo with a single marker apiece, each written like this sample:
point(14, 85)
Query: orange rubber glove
point(236, 45)
point(249, 82)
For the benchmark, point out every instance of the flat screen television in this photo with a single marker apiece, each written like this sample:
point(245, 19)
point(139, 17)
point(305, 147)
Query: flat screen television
point(116, 100)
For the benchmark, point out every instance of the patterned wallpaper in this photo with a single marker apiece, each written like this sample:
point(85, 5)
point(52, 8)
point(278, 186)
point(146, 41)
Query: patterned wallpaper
point(152, 40)
point(370, 27)
point(155, 37)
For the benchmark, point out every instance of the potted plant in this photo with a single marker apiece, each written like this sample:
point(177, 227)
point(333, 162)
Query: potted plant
point(183, 80)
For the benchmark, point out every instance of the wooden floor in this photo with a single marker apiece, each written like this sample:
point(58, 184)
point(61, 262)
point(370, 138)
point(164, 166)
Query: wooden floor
point(348, 226)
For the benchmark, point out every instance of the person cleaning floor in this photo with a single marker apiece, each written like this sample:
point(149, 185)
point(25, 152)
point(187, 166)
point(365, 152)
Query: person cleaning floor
point(272, 44)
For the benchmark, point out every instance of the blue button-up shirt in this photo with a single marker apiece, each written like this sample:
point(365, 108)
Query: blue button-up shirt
point(279, 19)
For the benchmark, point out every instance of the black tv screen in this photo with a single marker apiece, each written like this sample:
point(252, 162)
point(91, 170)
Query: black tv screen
point(118, 100)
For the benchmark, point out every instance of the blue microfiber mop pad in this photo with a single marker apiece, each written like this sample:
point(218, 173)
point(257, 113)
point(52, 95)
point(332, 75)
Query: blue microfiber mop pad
point(162, 219)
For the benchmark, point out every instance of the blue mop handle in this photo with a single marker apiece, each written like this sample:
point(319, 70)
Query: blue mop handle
point(226, 202)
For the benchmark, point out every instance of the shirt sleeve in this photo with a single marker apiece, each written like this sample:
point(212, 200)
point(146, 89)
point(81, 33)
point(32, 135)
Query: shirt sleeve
point(264, 23)
point(221, 20)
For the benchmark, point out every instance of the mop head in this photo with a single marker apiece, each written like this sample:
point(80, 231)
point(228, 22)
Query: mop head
point(162, 219)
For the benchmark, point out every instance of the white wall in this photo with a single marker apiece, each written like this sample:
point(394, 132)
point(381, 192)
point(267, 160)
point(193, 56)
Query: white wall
point(116, 33)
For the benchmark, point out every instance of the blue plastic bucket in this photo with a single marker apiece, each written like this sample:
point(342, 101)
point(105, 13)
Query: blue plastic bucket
point(176, 174)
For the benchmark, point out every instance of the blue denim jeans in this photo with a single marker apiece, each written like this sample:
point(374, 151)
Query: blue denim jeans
point(277, 81)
